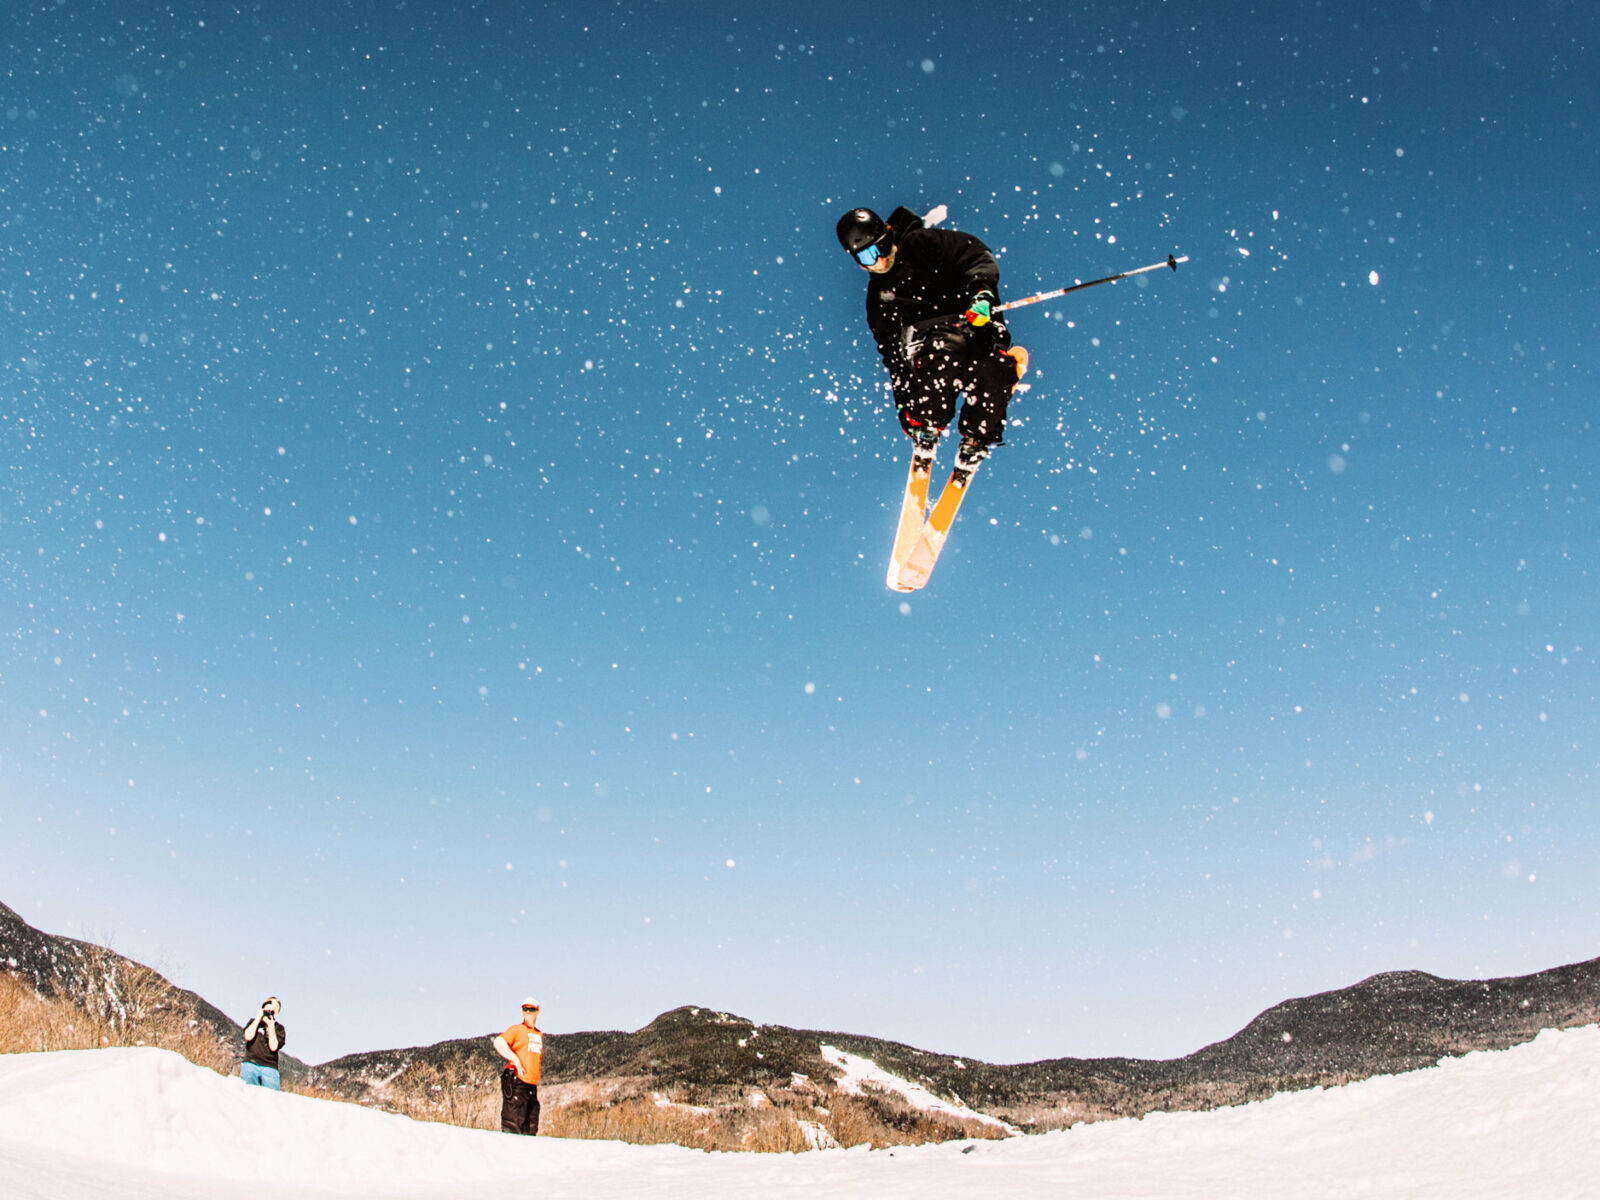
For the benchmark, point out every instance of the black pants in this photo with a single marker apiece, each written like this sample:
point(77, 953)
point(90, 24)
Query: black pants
point(951, 363)
point(519, 1105)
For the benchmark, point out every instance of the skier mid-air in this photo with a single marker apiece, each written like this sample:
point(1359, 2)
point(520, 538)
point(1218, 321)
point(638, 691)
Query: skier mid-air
point(932, 300)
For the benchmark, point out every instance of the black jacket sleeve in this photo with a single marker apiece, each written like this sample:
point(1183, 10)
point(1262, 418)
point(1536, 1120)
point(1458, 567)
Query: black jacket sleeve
point(958, 254)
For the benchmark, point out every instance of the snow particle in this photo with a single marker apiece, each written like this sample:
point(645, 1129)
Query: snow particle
point(1372, 278)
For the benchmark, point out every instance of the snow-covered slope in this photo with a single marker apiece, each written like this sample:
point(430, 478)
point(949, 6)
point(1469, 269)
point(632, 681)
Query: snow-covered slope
point(856, 1071)
point(144, 1123)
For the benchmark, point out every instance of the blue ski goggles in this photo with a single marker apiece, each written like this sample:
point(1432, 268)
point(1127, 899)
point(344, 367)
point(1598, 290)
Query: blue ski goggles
point(868, 255)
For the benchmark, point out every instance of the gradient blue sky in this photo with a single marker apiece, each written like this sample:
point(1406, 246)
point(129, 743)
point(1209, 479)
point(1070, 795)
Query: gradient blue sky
point(447, 484)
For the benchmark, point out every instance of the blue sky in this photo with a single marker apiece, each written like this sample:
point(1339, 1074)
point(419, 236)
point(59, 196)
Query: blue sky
point(447, 484)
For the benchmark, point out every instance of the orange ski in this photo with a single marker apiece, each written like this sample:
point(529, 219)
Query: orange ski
point(911, 516)
point(919, 563)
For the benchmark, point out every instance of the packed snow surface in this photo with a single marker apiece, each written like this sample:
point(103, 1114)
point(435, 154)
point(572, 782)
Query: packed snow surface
point(87, 1125)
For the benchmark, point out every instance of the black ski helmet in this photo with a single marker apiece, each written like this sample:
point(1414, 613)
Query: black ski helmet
point(860, 228)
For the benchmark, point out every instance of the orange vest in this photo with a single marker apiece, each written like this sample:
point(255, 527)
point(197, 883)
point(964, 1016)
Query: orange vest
point(528, 1045)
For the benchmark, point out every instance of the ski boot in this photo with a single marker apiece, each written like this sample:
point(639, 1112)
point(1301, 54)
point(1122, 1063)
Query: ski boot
point(971, 453)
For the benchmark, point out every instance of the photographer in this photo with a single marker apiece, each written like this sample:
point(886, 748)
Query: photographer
point(263, 1038)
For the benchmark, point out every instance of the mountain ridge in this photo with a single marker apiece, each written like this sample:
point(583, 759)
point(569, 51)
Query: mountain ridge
point(701, 1059)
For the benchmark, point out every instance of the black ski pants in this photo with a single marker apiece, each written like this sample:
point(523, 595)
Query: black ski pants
point(519, 1105)
point(954, 362)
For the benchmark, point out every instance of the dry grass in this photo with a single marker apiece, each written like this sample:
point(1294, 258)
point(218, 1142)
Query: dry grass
point(454, 1093)
point(775, 1124)
point(133, 1007)
point(881, 1119)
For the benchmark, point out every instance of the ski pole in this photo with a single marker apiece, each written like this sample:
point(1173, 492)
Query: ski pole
point(1078, 287)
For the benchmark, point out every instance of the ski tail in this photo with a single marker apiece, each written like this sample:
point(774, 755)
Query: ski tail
point(1019, 355)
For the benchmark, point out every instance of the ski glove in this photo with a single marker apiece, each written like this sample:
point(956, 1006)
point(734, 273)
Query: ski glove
point(978, 311)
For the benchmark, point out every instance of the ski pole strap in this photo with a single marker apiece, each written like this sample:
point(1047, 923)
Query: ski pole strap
point(1170, 262)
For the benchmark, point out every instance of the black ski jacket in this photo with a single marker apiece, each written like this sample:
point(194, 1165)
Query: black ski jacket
point(937, 273)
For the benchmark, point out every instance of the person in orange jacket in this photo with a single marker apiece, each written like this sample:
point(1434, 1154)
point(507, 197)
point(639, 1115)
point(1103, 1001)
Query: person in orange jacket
point(522, 1046)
